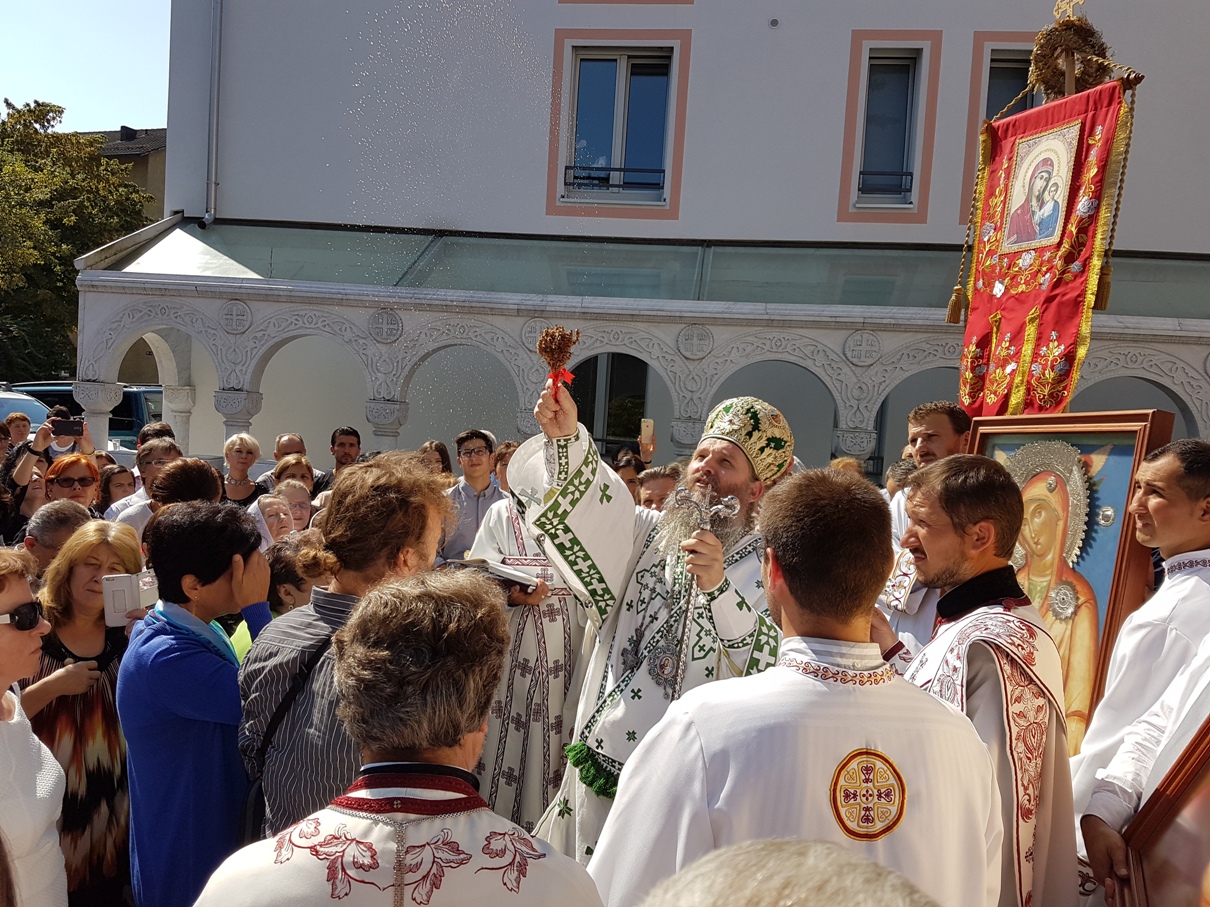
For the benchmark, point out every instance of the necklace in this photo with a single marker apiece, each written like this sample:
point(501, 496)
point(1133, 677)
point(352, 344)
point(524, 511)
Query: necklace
point(238, 483)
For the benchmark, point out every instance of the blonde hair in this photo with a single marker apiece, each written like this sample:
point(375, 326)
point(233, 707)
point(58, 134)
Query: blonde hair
point(16, 562)
point(56, 593)
point(242, 439)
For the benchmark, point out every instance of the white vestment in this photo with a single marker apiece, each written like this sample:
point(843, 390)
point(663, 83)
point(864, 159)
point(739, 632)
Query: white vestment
point(1000, 666)
point(828, 745)
point(531, 718)
point(1155, 643)
point(582, 515)
point(422, 836)
point(1153, 743)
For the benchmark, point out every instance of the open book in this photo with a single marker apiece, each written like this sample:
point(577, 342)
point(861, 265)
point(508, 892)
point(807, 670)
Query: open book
point(506, 576)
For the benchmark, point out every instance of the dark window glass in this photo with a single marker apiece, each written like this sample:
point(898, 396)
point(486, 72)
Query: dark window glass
point(594, 114)
point(887, 123)
point(646, 121)
point(1005, 80)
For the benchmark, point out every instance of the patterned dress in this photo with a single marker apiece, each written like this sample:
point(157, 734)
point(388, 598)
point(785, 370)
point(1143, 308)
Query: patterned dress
point(83, 733)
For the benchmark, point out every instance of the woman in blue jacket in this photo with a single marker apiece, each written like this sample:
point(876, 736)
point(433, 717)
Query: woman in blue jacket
point(178, 699)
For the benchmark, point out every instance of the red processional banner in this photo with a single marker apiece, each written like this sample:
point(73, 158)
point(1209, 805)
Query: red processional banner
point(1045, 198)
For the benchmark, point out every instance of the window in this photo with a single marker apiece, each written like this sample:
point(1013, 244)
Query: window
point(610, 391)
point(620, 115)
point(887, 150)
point(1007, 73)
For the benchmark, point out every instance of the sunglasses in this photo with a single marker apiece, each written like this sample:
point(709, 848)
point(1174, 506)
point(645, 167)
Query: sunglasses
point(24, 617)
point(68, 482)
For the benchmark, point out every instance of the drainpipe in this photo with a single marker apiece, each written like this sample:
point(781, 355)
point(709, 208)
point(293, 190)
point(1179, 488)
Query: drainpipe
point(216, 41)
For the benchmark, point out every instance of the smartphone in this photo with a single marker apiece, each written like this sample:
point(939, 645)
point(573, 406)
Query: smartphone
point(124, 592)
point(73, 428)
point(647, 434)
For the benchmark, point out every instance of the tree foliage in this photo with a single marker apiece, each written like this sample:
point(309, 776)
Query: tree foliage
point(58, 199)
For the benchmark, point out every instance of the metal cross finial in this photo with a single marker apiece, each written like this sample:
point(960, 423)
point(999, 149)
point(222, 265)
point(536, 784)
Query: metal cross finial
point(708, 513)
point(1065, 9)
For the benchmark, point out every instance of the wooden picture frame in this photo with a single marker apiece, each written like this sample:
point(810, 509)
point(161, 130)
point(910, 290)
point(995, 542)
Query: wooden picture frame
point(1168, 842)
point(1112, 574)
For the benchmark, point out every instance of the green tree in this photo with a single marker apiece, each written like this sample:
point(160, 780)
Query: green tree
point(58, 199)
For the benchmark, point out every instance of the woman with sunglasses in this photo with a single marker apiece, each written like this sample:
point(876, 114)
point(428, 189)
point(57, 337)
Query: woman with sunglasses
point(74, 477)
point(32, 783)
point(72, 707)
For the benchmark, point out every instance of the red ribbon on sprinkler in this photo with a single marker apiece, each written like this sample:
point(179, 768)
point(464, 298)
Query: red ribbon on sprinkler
point(562, 376)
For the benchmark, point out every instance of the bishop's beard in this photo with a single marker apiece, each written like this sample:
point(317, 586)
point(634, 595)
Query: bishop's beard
point(679, 523)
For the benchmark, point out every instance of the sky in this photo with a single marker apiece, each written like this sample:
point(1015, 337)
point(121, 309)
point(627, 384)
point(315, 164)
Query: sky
point(105, 61)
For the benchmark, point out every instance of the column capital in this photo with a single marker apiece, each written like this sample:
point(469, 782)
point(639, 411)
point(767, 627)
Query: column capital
point(852, 442)
point(237, 409)
point(97, 396)
point(386, 417)
point(180, 399)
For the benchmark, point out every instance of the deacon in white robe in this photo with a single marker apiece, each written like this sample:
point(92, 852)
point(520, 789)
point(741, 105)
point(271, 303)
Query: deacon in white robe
point(638, 583)
point(1154, 645)
point(404, 833)
point(533, 713)
point(992, 657)
point(1150, 747)
point(829, 744)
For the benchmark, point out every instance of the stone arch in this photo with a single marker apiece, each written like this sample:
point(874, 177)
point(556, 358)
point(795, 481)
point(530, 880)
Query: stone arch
point(101, 351)
point(598, 338)
point(821, 360)
point(268, 336)
point(804, 399)
point(1187, 386)
point(917, 355)
point(420, 343)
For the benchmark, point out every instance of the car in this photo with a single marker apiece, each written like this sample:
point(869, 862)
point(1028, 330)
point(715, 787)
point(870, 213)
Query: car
point(16, 402)
point(140, 404)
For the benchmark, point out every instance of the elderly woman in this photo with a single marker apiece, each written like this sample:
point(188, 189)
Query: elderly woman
point(240, 453)
point(416, 668)
point(178, 698)
point(384, 521)
point(32, 782)
point(296, 496)
point(70, 701)
point(74, 477)
point(273, 518)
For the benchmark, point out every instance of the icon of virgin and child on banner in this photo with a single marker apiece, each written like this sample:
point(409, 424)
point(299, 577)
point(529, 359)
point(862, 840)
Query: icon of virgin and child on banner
point(1045, 200)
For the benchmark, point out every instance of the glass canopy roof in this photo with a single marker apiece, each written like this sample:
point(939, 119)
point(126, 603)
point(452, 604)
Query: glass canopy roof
point(714, 272)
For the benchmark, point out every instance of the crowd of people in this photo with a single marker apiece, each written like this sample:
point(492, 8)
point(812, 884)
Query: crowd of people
point(553, 678)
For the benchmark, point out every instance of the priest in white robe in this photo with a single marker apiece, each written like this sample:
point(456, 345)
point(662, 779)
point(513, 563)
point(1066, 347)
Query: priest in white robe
point(830, 744)
point(992, 657)
point(533, 713)
point(638, 569)
point(416, 668)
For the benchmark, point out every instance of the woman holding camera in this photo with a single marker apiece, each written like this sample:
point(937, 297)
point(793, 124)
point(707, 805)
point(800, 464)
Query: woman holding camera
point(71, 703)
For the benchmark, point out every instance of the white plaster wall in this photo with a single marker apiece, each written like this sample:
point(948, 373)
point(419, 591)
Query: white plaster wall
point(802, 398)
point(299, 397)
point(399, 113)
